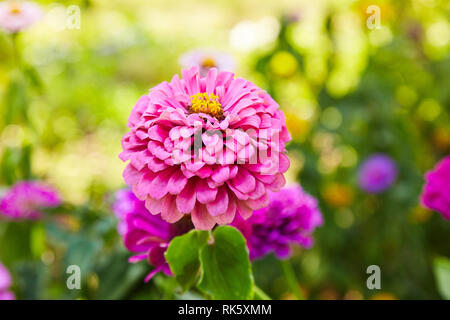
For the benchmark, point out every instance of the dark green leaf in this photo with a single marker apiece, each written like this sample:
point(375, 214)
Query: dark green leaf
point(183, 257)
point(82, 253)
point(15, 242)
point(117, 276)
point(31, 280)
point(226, 270)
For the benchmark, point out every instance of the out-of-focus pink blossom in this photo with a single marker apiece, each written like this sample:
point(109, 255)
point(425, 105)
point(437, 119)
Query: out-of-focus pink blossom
point(436, 191)
point(26, 199)
point(5, 283)
point(16, 16)
point(207, 59)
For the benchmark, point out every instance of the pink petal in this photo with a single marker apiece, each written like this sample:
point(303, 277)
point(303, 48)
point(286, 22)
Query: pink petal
point(237, 193)
point(158, 187)
point(259, 191)
point(204, 172)
point(205, 194)
point(153, 205)
point(169, 210)
point(157, 149)
point(220, 204)
point(177, 182)
point(244, 181)
point(157, 133)
point(131, 175)
point(186, 199)
point(139, 159)
point(174, 133)
point(284, 163)
point(155, 164)
point(137, 258)
point(201, 218)
point(264, 178)
point(229, 215)
point(245, 211)
point(278, 183)
point(194, 166)
point(152, 274)
point(221, 174)
point(211, 80)
point(260, 203)
point(191, 80)
point(141, 190)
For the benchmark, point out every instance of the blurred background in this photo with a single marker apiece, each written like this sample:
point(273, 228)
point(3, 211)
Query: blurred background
point(350, 86)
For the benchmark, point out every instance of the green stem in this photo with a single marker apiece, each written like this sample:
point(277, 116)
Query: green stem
point(16, 52)
point(169, 288)
point(259, 294)
point(291, 279)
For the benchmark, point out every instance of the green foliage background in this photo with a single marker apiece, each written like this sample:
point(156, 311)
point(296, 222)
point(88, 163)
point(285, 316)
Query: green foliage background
point(347, 90)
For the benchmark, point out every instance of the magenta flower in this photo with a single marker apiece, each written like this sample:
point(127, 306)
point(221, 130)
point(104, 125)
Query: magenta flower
point(290, 219)
point(377, 173)
point(436, 191)
point(205, 146)
point(126, 203)
point(5, 283)
point(26, 199)
point(145, 233)
point(18, 15)
point(207, 59)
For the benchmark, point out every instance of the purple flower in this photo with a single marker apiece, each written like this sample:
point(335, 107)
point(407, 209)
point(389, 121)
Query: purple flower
point(290, 219)
point(436, 191)
point(126, 203)
point(5, 283)
point(26, 199)
point(377, 173)
point(145, 233)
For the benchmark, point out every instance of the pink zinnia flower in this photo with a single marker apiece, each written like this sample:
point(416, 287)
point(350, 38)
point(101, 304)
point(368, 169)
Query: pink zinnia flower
point(5, 283)
point(205, 146)
point(207, 59)
point(26, 199)
point(147, 234)
point(436, 191)
point(18, 15)
point(290, 219)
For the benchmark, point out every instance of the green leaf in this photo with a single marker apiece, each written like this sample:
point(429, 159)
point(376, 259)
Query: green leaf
point(32, 278)
point(183, 257)
point(15, 242)
point(442, 273)
point(82, 252)
point(116, 282)
point(226, 270)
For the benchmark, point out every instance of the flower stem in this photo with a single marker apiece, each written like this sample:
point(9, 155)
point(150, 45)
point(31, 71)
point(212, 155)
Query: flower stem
point(259, 294)
point(16, 52)
point(291, 279)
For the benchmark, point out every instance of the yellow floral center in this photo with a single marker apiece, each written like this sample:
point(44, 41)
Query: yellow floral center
point(14, 8)
point(206, 103)
point(208, 63)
